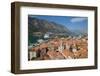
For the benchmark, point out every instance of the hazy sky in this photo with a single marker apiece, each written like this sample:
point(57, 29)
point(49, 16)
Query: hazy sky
point(71, 22)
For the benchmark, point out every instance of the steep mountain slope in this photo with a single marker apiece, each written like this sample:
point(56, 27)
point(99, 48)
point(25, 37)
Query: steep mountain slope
point(43, 26)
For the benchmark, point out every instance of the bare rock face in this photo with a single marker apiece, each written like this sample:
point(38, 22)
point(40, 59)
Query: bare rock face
point(40, 25)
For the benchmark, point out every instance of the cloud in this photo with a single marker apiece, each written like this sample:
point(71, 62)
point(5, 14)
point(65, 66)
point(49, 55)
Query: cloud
point(77, 19)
